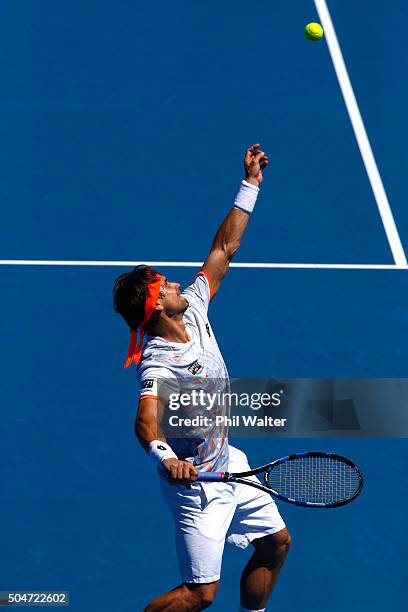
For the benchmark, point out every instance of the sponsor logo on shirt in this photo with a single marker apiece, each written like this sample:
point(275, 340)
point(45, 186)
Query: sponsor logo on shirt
point(195, 367)
point(147, 384)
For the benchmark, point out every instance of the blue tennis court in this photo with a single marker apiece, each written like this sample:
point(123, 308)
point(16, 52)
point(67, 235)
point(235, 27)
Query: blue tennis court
point(123, 129)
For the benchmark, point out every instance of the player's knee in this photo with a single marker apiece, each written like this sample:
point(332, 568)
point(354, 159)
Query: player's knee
point(205, 601)
point(203, 595)
point(282, 544)
point(274, 548)
point(285, 544)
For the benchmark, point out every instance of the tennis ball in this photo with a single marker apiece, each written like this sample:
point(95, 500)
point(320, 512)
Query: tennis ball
point(313, 31)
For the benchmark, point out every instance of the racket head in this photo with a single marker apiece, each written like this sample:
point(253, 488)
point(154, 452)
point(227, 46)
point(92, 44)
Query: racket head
point(314, 479)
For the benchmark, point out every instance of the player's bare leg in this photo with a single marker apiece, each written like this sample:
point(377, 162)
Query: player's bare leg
point(262, 570)
point(185, 598)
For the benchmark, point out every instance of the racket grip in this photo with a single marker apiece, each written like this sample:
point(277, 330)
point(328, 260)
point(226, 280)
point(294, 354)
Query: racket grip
point(211, 477)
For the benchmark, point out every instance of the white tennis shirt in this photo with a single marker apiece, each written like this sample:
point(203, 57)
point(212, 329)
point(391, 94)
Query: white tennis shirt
point(191, 366)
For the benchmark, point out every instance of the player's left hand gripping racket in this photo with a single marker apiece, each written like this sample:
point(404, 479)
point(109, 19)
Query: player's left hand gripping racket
point(313, 479)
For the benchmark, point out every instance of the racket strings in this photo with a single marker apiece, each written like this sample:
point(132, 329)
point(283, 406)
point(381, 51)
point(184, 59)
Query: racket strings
point(314, 479)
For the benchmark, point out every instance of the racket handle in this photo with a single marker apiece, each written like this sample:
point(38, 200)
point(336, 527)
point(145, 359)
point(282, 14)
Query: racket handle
point(211, 477)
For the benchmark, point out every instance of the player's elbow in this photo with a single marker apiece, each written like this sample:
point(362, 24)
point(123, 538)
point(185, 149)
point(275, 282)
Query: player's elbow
point(230, 247)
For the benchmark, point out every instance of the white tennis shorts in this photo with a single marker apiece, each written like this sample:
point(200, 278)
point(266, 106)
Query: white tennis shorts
point(210, 513)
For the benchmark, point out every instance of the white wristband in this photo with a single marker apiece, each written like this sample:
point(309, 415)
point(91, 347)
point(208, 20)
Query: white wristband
point(246, 197)
point(159, 451)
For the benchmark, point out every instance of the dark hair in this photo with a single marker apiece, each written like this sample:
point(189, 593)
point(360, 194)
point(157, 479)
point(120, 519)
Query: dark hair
point(130, 293)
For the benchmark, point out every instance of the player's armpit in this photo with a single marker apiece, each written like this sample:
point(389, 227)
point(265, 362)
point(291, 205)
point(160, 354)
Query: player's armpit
point(148, 418)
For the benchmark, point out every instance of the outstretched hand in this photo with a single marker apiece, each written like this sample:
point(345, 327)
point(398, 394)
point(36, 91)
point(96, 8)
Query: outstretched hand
point(255, 161)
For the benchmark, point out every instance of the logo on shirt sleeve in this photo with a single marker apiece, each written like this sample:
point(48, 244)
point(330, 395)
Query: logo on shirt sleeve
point(148, 384)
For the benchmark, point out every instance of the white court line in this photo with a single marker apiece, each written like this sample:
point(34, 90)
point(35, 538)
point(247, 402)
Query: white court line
point(198, 264)
point(361, 135)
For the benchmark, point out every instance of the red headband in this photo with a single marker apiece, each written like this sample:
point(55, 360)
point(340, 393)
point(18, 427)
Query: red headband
point(135, 348)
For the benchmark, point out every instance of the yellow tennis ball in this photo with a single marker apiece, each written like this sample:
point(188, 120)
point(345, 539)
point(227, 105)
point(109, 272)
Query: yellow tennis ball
point(313, 31)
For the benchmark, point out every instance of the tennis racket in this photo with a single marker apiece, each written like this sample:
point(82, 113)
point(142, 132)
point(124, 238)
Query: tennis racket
point(314, 479)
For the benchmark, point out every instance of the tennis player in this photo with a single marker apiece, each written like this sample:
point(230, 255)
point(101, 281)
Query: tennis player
point(173, 345)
